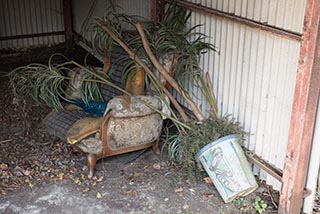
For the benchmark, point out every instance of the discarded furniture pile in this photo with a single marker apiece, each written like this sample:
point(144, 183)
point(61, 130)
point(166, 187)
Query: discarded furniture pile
point(127, 125)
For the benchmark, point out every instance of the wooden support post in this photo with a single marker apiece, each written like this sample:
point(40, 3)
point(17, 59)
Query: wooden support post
point(157, 10)
point(67, 15)
point(303, 113)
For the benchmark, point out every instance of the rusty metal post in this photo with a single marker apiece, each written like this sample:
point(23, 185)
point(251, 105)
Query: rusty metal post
point(157, 10)
point(67, 15)
point(303, 113)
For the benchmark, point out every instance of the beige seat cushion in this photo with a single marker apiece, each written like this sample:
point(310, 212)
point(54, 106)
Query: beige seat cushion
point(91, 145)
point(133, 131)
point(133, 106)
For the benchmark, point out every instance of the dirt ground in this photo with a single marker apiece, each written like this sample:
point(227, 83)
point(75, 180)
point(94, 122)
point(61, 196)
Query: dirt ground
point(42, 174)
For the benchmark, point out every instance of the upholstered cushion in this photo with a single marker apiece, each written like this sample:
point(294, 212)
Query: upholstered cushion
point(133, 106)
point(90, 145)
point(133, 131)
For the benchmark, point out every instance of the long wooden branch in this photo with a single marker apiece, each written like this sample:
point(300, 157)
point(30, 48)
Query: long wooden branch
point(146, 68)
point(166, 75)
point(212, 96)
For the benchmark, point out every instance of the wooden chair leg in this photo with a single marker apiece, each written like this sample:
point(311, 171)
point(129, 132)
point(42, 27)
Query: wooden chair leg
point(155, 149)
point(92, 159)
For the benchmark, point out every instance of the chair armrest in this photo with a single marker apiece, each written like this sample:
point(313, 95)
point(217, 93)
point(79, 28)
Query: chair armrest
point(83, 128)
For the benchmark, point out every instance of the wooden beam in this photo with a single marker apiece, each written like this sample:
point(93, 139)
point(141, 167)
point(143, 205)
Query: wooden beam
point(157, 10)
point(24, 36)
point(264, 165)
point(238, 19)
point(67, 16)
point(303, 113)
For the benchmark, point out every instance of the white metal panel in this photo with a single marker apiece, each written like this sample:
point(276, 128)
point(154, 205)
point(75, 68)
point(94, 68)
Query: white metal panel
point(284, 14)
point(253, 77)
point(314, 165)
point(81, 9)
point(136, 7)
point(30, 17)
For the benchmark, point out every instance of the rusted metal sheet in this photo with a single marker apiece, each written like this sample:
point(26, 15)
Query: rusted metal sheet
point(30, 23)
point(303, 113)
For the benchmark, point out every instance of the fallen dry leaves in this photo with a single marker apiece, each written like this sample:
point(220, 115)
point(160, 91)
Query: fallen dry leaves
point(4, 166)
point(178, 190)
point(207, 195)
point(98, 195)
point(207, 180)
point(185, 206)
point(87, 189)
point(29, 156)
point(157, 166)
point(130, 192)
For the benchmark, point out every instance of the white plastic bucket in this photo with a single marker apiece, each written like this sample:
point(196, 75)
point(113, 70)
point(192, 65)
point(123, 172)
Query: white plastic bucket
point(227, 166)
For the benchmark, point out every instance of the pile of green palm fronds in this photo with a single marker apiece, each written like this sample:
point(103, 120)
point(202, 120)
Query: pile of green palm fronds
point(170, 37)
point(47, 84)
point(183, 146)
point(102, 42)
point(174, 36)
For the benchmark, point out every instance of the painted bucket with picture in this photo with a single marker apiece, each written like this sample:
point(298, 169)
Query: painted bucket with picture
point(227, 166)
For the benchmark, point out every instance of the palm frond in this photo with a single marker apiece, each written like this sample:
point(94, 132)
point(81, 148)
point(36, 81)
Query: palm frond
point(47, 84)
point(182, 147)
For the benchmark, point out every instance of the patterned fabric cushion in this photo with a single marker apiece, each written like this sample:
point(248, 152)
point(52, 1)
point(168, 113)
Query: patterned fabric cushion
point(133, 106)
point(90, 145)
point(133, 131)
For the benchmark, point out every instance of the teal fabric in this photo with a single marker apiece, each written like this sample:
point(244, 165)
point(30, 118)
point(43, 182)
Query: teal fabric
point(93, 107)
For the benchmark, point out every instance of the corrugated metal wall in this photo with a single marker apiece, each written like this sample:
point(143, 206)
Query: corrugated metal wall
point(136, 7)
point(285, 14)
point(29, 23)
point(82, 13)
point(254, 72)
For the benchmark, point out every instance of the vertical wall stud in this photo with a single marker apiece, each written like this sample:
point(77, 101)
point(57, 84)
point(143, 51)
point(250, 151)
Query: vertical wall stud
point(68, 31)
point(303, 113)
point(157, 10)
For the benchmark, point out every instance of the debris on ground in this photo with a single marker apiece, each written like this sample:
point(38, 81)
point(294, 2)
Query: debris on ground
point(42, 174)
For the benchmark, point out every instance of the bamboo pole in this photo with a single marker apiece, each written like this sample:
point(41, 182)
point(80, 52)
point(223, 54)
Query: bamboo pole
point(106, 64)
point(212, 96)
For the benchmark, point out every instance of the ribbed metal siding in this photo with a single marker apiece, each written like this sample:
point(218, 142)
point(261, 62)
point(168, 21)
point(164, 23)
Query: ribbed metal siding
point(29, 17)
point(284, 14)
point(139, 8)
point(253, 77)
